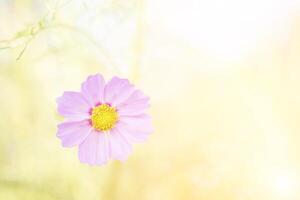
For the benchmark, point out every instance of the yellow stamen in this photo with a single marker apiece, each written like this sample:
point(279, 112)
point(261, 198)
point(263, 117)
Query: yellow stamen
point(104, 117)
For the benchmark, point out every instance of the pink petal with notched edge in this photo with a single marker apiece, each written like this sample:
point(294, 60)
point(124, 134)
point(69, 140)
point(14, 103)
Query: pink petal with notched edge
point(72, 105)
point(140, 123)
point(114, 88)
point(73, 133)
point(119, 146)
point(123, 94)
point(94, 150)
point(93, 89)
point(136, 96)
point(131, 135)
point(136, 108)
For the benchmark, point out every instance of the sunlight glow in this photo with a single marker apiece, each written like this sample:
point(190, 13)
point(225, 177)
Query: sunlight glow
point(284, 184)
point(227, 30)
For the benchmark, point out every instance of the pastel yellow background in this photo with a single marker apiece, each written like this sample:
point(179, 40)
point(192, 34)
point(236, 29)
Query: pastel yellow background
point(224, 82)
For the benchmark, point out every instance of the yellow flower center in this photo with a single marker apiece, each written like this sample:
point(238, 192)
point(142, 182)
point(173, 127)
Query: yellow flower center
point(104, 117)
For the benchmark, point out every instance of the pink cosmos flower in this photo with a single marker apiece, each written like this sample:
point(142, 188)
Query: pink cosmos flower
point(103, 120)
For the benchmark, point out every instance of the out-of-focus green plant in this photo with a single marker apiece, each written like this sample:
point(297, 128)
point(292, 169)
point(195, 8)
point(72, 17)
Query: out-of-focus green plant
point(24, 37)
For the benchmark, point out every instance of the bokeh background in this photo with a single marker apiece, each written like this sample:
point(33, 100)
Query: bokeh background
point(224, 82)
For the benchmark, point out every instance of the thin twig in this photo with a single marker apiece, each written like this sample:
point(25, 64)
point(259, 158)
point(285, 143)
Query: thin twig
point(25, 47)
point(32, 31)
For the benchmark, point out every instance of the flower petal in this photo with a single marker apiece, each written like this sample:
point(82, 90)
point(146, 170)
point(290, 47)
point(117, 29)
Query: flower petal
point(131, 135)
point(117, 90)
point(136, 96)
point(135, 128)
point(123, 94)
point(119, 146)
point(93, 89)
point(94, 150)
point(73, 133)
point(73, 106)
point(138, 122)
point(135, 108)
